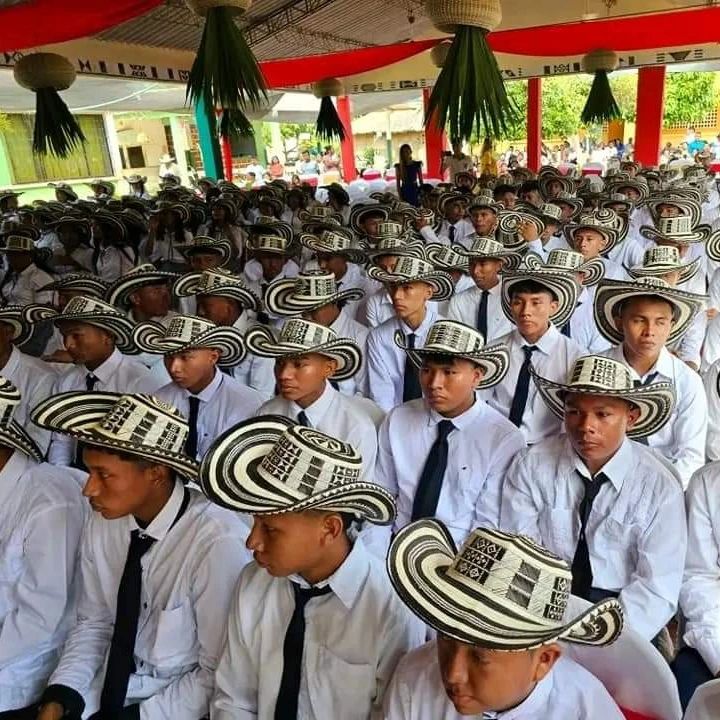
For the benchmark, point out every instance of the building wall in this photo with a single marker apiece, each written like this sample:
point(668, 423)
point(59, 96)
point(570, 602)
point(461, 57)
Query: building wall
point(416, 140)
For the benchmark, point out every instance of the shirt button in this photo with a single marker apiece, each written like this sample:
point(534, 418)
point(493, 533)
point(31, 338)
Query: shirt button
point(145, 606)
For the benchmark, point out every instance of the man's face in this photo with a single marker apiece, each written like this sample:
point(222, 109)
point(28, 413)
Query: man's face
point(597, 425)
point(272, 265)
point(646, 323)
point(152, 300)
point(370, 225)
point(6, 337)
point(533, 197)
point(549, 230)
point(566, 211)
point(86, 344)
point(200, 261)
point(589, 242)
point(554, 188)
point(306, 156)
point(507, 199)
point(449, 386)
point(478, 680)
point(220, 310)
point(218, 213)
point(303, 376)
point(324, 315)
point(386, 262)
point(18, 261)
point(667, 211)
point(484, 221)
point(454, 212)
point(532, 311)
point(335, 264)
point(117, 487)
point(192, 369)
point(410, 298)
point(630, 192)
point(485, 272)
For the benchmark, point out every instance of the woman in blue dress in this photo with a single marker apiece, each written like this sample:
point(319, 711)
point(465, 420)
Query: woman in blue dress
point(408, 176)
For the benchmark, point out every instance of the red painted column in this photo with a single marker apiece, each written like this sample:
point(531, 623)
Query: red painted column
point(650, 110)
point(534, 124)
point(226, 149)
point(347, 146)
point(435, 143)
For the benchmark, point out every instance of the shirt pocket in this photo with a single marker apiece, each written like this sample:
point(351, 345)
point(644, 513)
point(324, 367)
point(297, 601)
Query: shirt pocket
point(175, 638)
point(338, 688)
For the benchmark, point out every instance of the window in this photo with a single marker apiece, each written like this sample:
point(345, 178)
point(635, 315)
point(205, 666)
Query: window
point(135, 156)
point(89, 160)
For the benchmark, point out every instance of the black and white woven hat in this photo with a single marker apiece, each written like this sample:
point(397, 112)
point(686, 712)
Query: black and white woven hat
point(569, 185)
point(593, 271)
point(264, 226)
point(396, 245)
point(499, 591)
point(410, 269)
point(119, 292)
point(564, 198)
point(679, 230)
point(188, 332)
point(81, 283)
point(611, 234)
point(663, 259)
point(360, 212)
point(202, 244)
point(561, 283)
point(308, 291)
point(12, 434)
point(91, 311)
point(270, 244)
point(446, 257)
point(597, 375)
point(302, 337)
point(269, 466)
point(508, 228)
point(448, 337)
point(217, 282)
point(487, 248)
point(610, 295)
point(613, 199)
point(24, 244)
point(331, 242)
point(687, 206)
point(140, 425)
point(12, 315)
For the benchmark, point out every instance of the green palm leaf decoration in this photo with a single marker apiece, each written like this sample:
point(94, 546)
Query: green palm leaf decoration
point(601, 104)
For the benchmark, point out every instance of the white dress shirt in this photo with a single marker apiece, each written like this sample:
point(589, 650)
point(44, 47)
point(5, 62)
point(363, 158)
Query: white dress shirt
point(41, 520)
point(711, 348)
point(355, 278)
point(553, 359)
point(554, 242)
point(636, 532)
point(223, 403)
point(36, 381)
point(347, 327)
point(386, 361)
point(583, 328)
point(629, 253)
point(119, 373)
point(464, 282)
point(464, 230)
point(689, 347)
point(22, 288)
point(378, 308)
point(337, 415)
point(114, 262)
point(189, 574)
point(354, 637)
point(255, 372)
point(567, 692)
point(682, 440)
point(700, 594)
point(464, 307)
point(711, 382)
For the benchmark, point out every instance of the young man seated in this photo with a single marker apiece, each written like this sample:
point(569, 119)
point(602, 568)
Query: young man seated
point(498, 606)
point(158, 565)
point(640, 318)
point(144, 294)
point(41, 521)
point(445, 455)
point(309, 359)
point(608, 505)
point(315, 630)
point(537, 302)
point(455, 229)
point(550, 238)
point(206, 253)
point(195, 352)
point(594, 238)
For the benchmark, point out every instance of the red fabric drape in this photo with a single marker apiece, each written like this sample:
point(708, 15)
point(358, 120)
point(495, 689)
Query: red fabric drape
point(42, 22)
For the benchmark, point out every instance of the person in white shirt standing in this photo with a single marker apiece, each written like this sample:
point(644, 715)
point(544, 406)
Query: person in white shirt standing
point(158, 565)
point(641, 317)
point(412, 284)
point(499, 607)
point(195, 352)
point(315, 630)
point(608, 505)
point(41, 522)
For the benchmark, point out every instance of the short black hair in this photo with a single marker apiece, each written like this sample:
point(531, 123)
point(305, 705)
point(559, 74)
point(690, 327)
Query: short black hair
point(141, 462)
point(532, 287)
point(620, 307)
point(440, 359)
point(529, 186)
point(502, 189)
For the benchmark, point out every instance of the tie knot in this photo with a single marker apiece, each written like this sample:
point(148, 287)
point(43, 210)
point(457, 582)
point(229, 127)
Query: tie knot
point(139, 543)
point(647, 381)
point(445, 427)
point(302, 419)
point(304, 595)
point(529, 350)
point(411, 340)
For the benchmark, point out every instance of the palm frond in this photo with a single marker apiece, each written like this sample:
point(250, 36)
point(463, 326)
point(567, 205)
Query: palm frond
point(234, 122)
point(56, 131)
point(329, 126)
point(600, 105)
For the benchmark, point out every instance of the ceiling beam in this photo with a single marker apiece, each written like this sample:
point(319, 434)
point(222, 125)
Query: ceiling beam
point(290, 14)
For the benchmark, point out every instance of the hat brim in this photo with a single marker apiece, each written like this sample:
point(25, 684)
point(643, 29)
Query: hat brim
point(411, 249)
point(119, 293)
point(493, 359)
point(433, 253)
point(611, 235)
point(508, 223)
point(593, 271)
point(419, 558)
point(316, 245)
point(655, 401)
point(281, 299)
point(229, 477)
point(13, 316)
point(712, 247)
point(223, 248)
point(359, 215)
point(346, 353)
point(14, 436)
point(149, 337)
point(700, 234)
point(511, 260)
point(84, 286)
point(440, 281)
point(686, 271)
point(562, 284)
point(188, 286)
point(611, 293)
point(77, 414)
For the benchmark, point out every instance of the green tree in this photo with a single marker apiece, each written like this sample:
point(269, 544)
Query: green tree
point(689, 97)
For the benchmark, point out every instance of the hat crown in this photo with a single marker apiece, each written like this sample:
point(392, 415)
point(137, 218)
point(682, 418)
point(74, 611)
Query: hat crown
point(389, 229)
point(564, 195)
point(661, 255)
point(145, 421)
point(19, 242)
point(83, 305)
point(445, 256)
point(309, 462)
point(601, 373)
point(140, 269)
point(321, 211)
point(412, 266)
point(679, 225)
point(602, 218)
point(217, 278)
point(454, 337)
point(269, 242)
point(516, 571)
point(486, 246)
point(317, 284)
point(186, 328)
point(391, 242)
point(305, 334)
point(564, 260)
point(334, 241)
point(551, 210)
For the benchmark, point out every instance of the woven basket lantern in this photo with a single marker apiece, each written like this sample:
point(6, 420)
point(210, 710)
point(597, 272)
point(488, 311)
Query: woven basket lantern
point(605, 60)
point(600, 105)
point(236, 7)
point(44, 70)
point(448, 15)
point(330, 87)
point(439, 54)
point(329, 125)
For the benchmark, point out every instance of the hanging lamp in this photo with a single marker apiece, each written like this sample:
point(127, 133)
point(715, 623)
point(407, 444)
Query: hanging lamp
point(329, 126)
point(601, 104)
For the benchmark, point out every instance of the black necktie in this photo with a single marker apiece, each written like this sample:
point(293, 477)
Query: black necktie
point(517, 409)
point(582, 578)
point(286, 707)
point(566, 330)
point(262, 317)
point(302, 419)
point(451, 234)
point(411, 381)
point(641, 383)
point(191, 444)
point(482, 316)
point(90, 382)
point(427, 494)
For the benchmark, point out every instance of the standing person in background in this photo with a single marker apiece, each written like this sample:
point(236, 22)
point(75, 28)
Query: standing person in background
point(331, 162)
point(488, 161)
point(168, 167)
point(275, 169)
point(408, 176)
point(306, 165)
point(456, 162)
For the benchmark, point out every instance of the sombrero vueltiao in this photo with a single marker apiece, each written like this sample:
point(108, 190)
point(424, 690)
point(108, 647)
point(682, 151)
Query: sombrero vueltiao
point(81, 283)
point(396, 245)
point(569, 199)
point(610, 294)
point(678, 230)
point(448, 337)
point(22, 243)
point(13, 316)
point(140, 425)
point(593, 271)
point(664, 259)
point(593, 222)
point(686, 206)
point(487, 248)
point(409, 269)
point(499, 591)
point(203, 244)
point(445, 257)
point(329, 242)
point(269, 466)
point(119, 292)
point(509, 222)
point(360, 212)
point(310, 290)
point(598, 375)
point(12, 434)
point(561, 283)
point(302, 337)
point(217, 283)
point(187, 332)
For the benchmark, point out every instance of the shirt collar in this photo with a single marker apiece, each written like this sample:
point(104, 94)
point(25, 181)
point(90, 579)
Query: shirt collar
point(545, 344)
point(615, 468)
point(461, 421)
point(29, 270)
point(207, 393)
point(12, 363)
point(429, 319)
point(11, 474)
point(530, 706)
point(663, 365)
point(105, 372)
point(164, 520)
point(317, 410)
